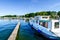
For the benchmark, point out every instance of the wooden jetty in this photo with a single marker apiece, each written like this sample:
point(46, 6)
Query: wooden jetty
point(14, 33)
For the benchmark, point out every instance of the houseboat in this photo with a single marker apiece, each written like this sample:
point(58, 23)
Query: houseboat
point(49, 28)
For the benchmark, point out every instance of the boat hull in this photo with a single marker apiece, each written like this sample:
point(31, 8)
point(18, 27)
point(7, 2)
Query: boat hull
point(46, 36)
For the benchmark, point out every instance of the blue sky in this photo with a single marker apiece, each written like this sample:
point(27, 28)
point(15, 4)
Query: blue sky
point(21, 7)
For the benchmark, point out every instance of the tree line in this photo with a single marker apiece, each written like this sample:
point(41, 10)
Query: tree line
point(52, 14)
point(10, 16)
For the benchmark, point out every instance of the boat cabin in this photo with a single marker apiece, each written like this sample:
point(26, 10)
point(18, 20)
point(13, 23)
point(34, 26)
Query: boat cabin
point(55, 25)
point(47, 23)
point(42, 17)
point(42, 20)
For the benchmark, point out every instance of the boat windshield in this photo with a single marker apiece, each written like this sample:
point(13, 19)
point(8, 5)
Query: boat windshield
point(56, 25)
point(44, 24)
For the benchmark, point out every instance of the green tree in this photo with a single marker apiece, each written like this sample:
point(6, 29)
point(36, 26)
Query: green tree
point(58, 13)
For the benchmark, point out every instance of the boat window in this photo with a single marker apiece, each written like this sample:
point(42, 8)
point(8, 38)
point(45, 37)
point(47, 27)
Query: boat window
point(56, 24)
point(44, 24)
point(41, 23)
point(45, 17)
point(36, 21)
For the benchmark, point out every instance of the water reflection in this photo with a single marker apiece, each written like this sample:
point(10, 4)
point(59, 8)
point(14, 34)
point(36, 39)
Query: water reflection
point(28, 33)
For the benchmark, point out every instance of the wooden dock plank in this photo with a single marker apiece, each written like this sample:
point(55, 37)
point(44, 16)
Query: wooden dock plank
point(14, 33)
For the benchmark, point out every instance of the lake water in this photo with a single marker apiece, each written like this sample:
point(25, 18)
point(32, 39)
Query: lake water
point(6, 28)
point(26, 32)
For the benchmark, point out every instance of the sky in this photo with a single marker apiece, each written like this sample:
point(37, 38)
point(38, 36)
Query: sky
point(22, 7)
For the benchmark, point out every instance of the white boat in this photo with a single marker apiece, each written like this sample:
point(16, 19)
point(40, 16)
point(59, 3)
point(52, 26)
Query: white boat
point(49, 28)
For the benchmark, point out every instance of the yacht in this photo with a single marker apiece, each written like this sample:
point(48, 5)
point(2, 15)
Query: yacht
point(49, 28)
